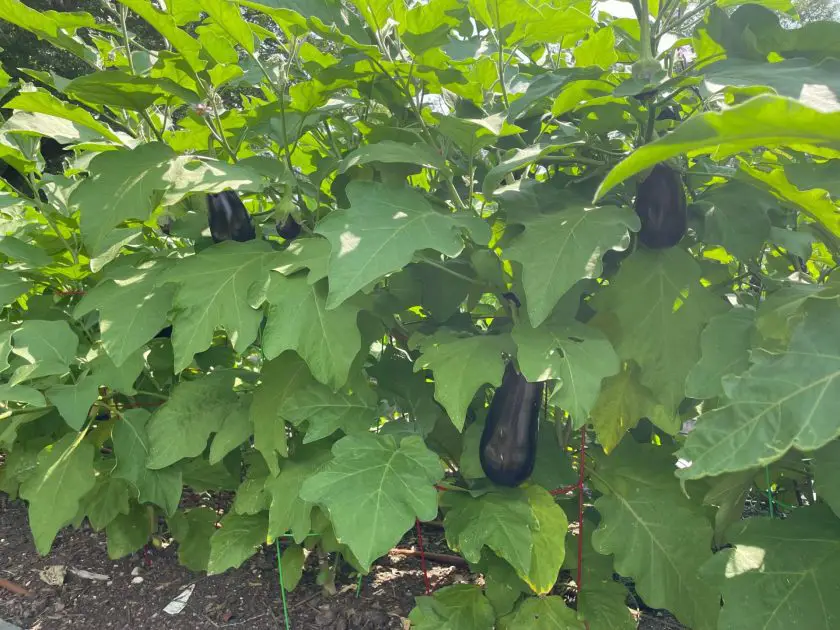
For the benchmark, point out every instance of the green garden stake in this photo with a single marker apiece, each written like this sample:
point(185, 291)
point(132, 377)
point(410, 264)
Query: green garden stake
point(359, 586)
point(769, 490)
point(286, 619)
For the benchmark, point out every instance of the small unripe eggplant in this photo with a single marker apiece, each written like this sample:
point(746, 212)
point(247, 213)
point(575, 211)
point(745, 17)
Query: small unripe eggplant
point(660, 204)
point(508, 446)
point(289, 229)
point(228, 218)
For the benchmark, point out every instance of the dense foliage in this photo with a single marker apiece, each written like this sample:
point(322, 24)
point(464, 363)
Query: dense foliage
point(438, 188)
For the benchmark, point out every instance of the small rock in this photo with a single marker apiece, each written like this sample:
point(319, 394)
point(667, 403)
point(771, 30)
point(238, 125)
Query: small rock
point(136, 580)
point(135, 571)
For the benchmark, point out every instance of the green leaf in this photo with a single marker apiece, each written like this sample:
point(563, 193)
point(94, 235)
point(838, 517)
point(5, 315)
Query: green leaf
point(54, 491)
point(22, 394)
point(724, 346)
point(298, 319)
point(503, 521)
point(578, 355)
point(305, 253)
point(827, 474)
point(658, 537)
point(543, 613)
point(457, 607)
point(379, 234)
point(623, 401)
point(326, 411)
point(784, 402)
point(374, 490)
point(524, 157)
point(128, 532)
point(728, 495)
point(131, 447)
point(288, 512)
point(236, 541)
point(251, 497)
point(780, 573)
point(12, 286)
point(281, 377)
point(227, 15)
point(48, 347)
point(236, 428)
point(556, 250)
point(166, 26)
point(501, 584)
point(602, 601)
point(222, 287)
point(181, 426)
point(815, 85)
point(74, 401)
point(547, 553)
point(461, 365)
point(661, 308)
point(194, 538)
point(292, 566)
point(765, 120)
point(19, 251)
point(388, 151)
point(598, 49)
point(108, 499)
point(738, 218)
point(45, 103)
point(118, 89)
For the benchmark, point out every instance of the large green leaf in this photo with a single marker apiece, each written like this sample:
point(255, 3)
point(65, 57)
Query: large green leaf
point(181, 426)
point(524, 157)
point(780, 403)
point(542, 613)
point(661, 308)
point(47, 347)
point(222, 287)
point(622, 402)
point(658, 537)
point(781, 573)
point(128, 533)
point(288, 513)
point(63, 476)
point(237, 540)
point(12, 286)
point(379, 234)
point(374, 489)
point(456, 607)
point(827, 475)
point(556, 250)
point(461, 365)
point(193, 533)
point(579, 356)
point(235, 430)
point(118, 89)
point(131, 447)
point(45, 103)
point(227, 15)
point(74, 401)
point(298, 319)
point(108, 499)
point(816, 85)
point(132, 309)
point(737, 218)
point(502, 521)
point(166, 26)
point(325, 411)
point(724, 346)
point(768, 121)
point(281, 377)
point(547, 553)
point(388, 151)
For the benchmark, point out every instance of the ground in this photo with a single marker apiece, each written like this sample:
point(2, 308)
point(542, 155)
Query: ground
point(247, 597)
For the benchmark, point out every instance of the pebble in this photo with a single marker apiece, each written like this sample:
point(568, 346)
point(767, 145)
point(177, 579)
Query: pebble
point(136, 580)
point(135, 571)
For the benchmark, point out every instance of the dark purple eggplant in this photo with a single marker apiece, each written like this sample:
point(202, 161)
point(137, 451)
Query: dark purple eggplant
point(660, 204)
point(508, 446)
point(228, 218)
point(289, 229)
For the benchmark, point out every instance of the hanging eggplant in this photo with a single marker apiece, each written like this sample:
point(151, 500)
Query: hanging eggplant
point(660, 204)
point(228, 218)
point(289, 229)
point(509, 442)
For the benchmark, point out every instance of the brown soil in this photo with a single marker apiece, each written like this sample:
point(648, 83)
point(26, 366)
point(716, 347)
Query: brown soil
point(248, 597)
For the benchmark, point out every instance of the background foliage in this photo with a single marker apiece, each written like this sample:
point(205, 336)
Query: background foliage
point(438, 156)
